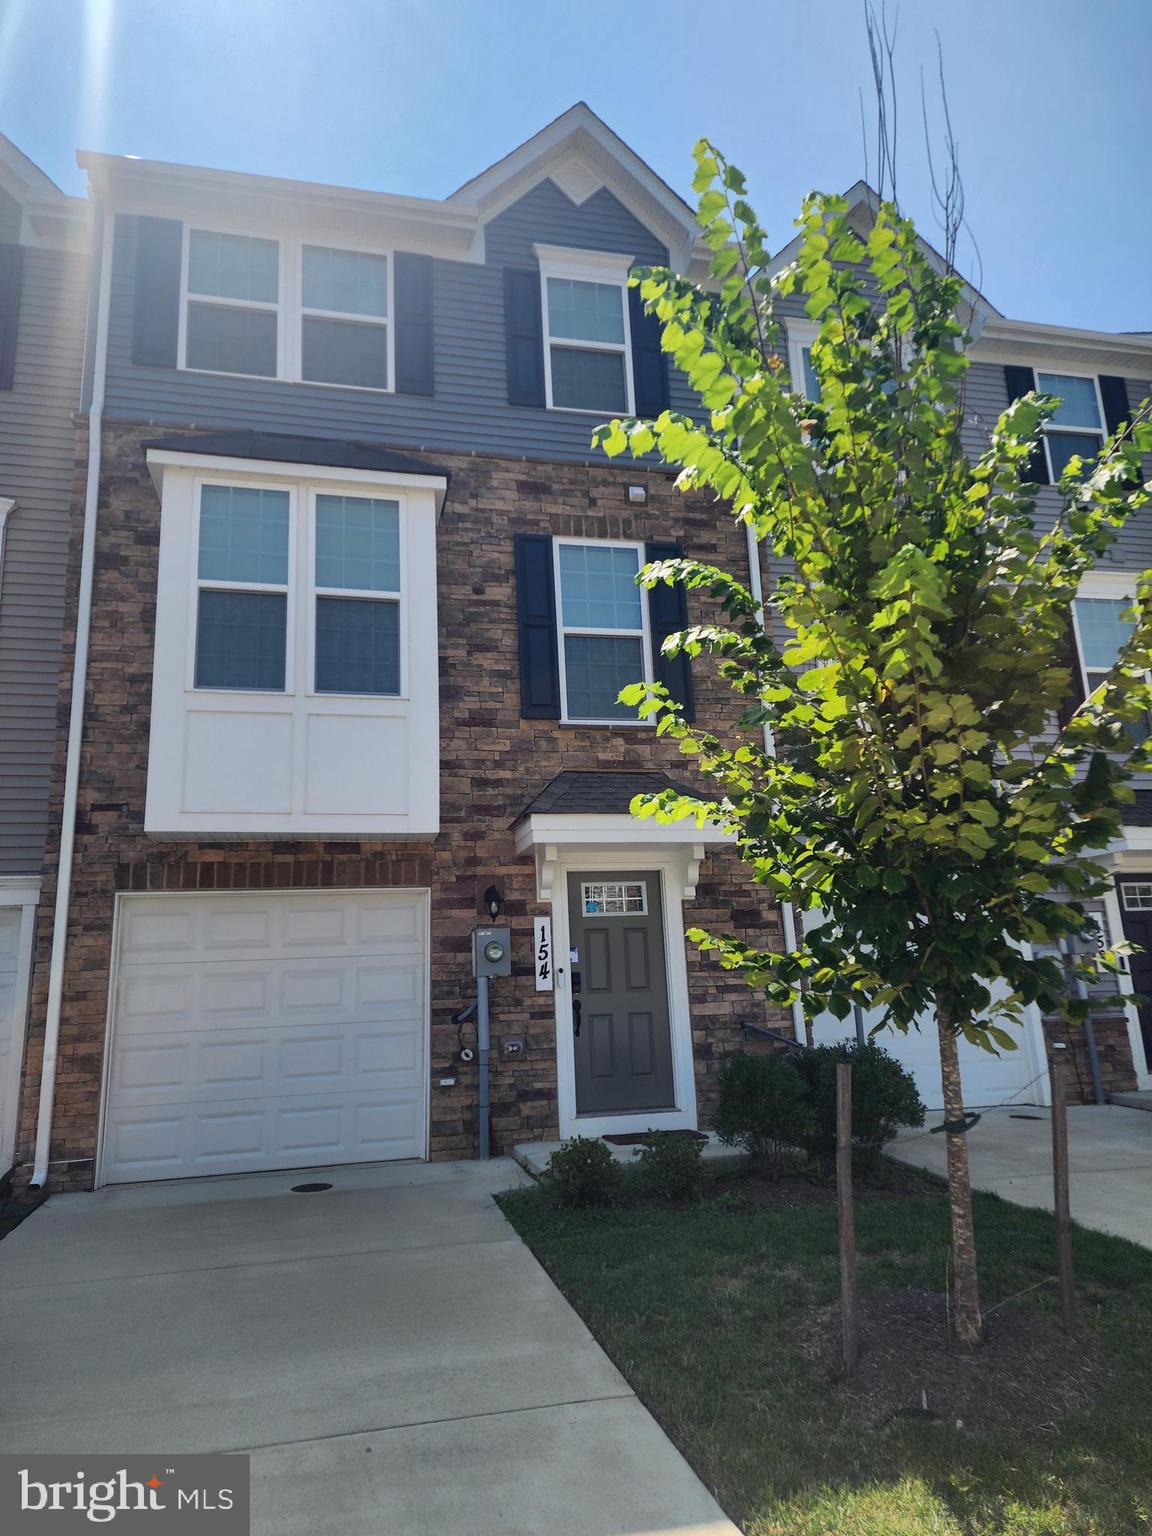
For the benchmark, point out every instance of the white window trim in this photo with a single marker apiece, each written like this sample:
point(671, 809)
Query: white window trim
point(1103, 584)
point(644, 633)
point(300, 638)
point(1049, 427)
point(586, 267)
point(289, 308)
point(7, 507)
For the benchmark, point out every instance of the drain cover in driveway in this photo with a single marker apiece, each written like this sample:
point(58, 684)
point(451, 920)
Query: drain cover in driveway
point(309, 1189)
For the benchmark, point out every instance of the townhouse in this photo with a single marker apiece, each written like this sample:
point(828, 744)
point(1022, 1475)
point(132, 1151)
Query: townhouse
point(44, 268)
point(350, 603)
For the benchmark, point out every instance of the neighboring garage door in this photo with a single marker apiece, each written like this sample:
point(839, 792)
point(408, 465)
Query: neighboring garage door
point(266, 1031)
point(11, 1038)
point(987, 1079)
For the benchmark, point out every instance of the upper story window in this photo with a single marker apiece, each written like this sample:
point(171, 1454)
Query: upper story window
point(286, 309)
point(602, 618)
point(1077, 426)
point(801, 335)
point(1102, 628)
point(344, 319)
point(587, 348)
point(233, 304)
point(257, 568)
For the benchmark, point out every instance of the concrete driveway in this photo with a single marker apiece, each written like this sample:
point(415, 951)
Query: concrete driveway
point(389, 1352)
point(1109, 1161)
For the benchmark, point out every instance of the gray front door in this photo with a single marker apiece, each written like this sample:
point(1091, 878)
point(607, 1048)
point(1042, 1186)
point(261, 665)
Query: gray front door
point(622, 1043)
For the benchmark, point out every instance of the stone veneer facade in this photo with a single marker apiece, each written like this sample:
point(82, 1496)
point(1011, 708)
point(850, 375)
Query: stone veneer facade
point(492, 763)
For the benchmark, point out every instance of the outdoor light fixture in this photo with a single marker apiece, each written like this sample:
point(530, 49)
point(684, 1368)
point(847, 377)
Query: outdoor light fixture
point(494, 902)
point(638, 495)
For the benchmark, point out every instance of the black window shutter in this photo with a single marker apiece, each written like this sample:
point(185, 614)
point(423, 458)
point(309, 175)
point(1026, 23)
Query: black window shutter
point(11, 282)
point(1021, 381)
point(667, 614)
point(156, 309)
point(1114, 397)
point(412, 284)
point(524, 336)
point(536, 627)
point(1076, 694)
point(649, 361)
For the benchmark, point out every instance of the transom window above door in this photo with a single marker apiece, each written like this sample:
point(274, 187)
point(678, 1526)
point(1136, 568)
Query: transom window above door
point(603, 638)
point(287, 309)
point(613, 898)
point(1077, 426)
point(587, 350)
point(298, 583)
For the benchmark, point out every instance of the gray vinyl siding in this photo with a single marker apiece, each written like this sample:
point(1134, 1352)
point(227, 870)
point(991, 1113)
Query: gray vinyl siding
point(36, 467)
point(470, 410)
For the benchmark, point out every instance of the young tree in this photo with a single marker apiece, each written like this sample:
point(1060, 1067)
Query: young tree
point(914, 657)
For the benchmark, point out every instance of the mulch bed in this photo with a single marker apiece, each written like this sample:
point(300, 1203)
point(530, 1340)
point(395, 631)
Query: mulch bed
point(1027, 1375)
point(792, 1189)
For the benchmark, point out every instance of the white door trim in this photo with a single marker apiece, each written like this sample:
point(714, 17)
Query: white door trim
point(121, 897)
point(669, 863)
point(1115, 920)
point(21, 891)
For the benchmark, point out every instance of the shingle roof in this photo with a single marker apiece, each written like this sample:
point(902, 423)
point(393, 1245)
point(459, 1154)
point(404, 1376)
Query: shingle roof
point(290, 448)
point(596, 793)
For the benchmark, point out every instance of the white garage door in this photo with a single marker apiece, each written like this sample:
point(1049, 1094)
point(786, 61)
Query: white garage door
point(987, 1079)
point(266, 1031)
point(11, 1029)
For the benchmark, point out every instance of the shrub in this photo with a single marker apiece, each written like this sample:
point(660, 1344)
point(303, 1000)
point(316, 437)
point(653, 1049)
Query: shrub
point(583, 1172)
point(763, 1108)
point(670, 1164)
point(884, 1096)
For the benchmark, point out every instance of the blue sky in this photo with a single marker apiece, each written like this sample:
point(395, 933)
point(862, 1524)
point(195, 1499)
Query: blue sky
point(1049, 103)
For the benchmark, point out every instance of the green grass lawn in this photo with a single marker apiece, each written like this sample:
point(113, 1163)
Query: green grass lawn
point(700, 1306)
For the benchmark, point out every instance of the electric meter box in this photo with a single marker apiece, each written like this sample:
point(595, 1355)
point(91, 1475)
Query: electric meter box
point(492, 951)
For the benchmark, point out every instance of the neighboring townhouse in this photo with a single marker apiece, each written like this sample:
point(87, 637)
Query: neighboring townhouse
point(353, 601)
point(44, 269)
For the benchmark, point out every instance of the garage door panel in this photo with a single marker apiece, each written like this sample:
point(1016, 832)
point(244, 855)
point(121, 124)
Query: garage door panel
point(225, 1062)
point(247, 1136)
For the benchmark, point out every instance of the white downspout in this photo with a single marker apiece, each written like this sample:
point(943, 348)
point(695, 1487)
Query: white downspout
point(787, 912)
point(75, 720)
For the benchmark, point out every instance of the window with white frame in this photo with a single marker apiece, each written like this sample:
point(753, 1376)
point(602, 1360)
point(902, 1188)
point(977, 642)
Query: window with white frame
point(232, 304)
point(587, 354)
point(344, 317)
point(801, 335)
point(287, 309)
point(357, 595)
point(1077, 425)
point(1136, 895)
point(1103, 624)
point(603, 639)
point(247, 593)
point(242, 588)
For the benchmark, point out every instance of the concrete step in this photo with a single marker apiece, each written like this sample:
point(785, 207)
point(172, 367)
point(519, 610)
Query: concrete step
point(1141, 1100)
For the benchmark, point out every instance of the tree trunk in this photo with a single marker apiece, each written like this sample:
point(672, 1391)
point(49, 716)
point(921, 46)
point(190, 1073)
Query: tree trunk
point(965, 1283)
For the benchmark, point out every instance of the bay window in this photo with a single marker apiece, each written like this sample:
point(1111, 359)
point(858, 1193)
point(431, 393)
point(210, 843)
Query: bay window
point(357, 595)
point(1102, 627)
point(603, 639)
point(587, 350)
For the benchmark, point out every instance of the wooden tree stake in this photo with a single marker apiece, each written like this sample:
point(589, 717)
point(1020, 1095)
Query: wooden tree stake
point(1060, 1198)
point(849, 1293)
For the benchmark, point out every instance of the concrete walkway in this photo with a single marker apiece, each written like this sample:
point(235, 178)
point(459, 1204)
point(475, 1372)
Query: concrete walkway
point(389, 1352)
point(1109, 1158)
